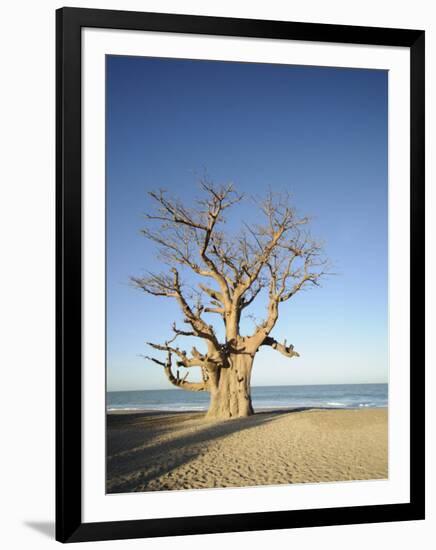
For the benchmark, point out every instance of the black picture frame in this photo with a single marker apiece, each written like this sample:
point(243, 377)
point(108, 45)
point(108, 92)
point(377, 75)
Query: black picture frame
point(69, 525)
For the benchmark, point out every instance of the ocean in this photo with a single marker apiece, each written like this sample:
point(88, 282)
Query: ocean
point(343, 396)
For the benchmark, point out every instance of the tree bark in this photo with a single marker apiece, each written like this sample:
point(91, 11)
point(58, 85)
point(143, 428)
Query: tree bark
point(231, 397)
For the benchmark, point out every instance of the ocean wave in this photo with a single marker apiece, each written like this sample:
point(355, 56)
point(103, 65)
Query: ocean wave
point(356, 396)
point(158, 408)
point(125, 408)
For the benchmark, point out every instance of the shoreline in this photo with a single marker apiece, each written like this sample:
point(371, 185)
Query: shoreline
point(277, 410)
point(172, 450)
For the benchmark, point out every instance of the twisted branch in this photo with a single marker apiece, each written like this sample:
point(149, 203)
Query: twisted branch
point(287, 351)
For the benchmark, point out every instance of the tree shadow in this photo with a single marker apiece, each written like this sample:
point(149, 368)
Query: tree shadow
point(125, 432)
point(134, 467)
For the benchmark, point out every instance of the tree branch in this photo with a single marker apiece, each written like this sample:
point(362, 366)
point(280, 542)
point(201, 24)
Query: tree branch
point(287, 351)
point(163, 285)
point(277, 255)
point(176, 380)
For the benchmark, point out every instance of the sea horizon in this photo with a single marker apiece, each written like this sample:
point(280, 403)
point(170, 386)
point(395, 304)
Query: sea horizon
point(342, 396)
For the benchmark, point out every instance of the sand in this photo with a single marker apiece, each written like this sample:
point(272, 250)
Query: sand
point(167, 451)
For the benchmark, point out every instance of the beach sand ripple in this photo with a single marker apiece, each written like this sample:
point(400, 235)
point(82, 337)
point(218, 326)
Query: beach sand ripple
point(158, 451)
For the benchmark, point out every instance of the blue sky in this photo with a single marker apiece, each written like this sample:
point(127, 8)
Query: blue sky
point(319, 133)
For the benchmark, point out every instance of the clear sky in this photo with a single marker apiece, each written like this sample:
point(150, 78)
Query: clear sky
point(320, 133)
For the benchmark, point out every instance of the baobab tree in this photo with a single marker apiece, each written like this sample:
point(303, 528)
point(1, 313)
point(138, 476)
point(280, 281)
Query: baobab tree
point(277, 256)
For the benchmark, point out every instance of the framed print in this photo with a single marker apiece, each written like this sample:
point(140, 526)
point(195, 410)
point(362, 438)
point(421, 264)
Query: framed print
point(240, 255)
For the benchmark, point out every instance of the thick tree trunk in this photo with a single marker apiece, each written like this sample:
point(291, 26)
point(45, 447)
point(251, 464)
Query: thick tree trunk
point(232, 397)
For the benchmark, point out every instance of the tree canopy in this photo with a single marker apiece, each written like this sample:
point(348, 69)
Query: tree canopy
point(277, 256)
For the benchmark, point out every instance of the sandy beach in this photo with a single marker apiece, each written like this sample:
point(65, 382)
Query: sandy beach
point(167, 451)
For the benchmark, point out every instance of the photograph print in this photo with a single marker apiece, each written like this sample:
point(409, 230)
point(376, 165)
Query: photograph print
point(246, 274)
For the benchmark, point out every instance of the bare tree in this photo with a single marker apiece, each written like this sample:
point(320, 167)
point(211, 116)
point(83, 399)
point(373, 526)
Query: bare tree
point(277, 256)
